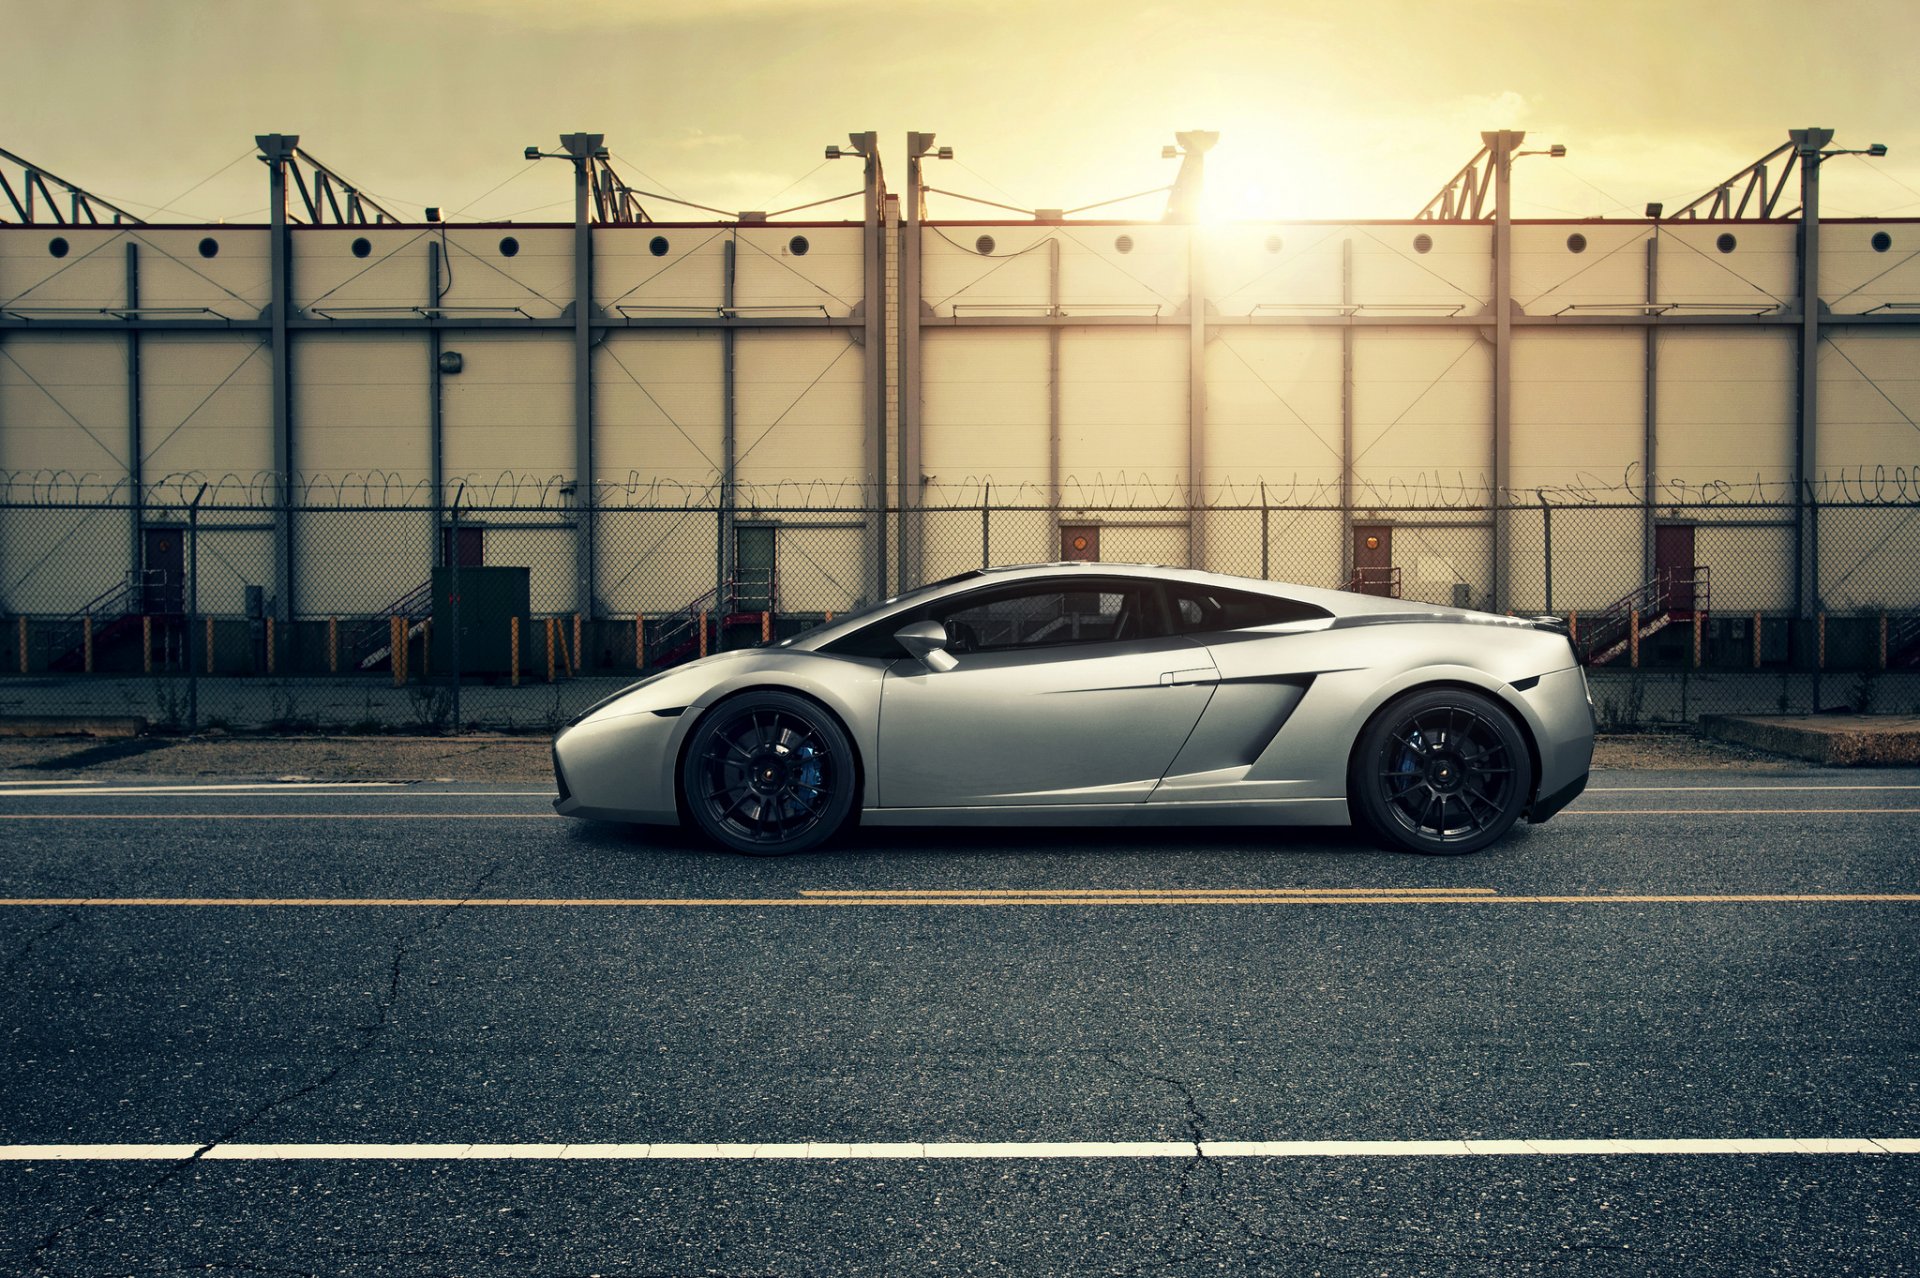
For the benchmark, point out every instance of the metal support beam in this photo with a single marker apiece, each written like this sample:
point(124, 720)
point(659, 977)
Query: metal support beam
point(436, 409)
point(582, 148)
point(1346, 417)
point(723, 528)
point(912, 487)
point(1053, 381)
point(136, 470)
point(34, 201)
point(874, 338)
point(1806, 550)
point(1196, 399)
point(1650, 436)
point(276, 151)
point(1500, 148)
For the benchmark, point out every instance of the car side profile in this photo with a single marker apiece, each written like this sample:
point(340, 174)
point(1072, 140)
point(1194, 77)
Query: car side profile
point(1102, 694)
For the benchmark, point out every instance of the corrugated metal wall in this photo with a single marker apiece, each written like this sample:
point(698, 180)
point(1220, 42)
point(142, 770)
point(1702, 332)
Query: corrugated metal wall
point(1271, 397)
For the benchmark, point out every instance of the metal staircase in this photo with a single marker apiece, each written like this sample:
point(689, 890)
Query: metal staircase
point(1903, 641)
point(113, 613)
point(740, 600)
point(375, 635)
point(1669, 598)
point(1375, 581)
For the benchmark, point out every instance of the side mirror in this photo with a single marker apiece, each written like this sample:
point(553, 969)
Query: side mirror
point(926, 641)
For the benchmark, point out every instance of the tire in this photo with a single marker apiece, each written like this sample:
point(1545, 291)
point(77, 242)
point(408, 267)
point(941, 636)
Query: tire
point(767, 774)
point(1442, 772)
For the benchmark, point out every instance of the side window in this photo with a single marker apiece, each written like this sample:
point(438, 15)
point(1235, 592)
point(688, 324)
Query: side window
point(1044, 617)
point(1199, 609)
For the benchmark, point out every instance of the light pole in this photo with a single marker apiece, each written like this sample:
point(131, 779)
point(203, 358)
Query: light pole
point(1502, 150)
point(1809, 145)
point(583, 149)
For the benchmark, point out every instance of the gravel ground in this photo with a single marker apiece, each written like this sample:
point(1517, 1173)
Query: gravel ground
point(522, 759)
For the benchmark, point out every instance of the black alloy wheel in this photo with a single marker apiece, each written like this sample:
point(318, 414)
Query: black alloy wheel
point(768, 773)
point(1442, 772)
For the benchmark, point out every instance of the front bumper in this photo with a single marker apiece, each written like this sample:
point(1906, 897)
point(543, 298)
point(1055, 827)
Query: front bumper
point(617, 769)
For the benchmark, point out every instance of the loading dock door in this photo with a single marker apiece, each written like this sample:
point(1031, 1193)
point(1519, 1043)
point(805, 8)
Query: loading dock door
point(1373, 559)
point(1673, 566)
point(163, 588)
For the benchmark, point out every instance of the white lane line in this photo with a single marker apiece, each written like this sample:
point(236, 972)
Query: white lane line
point(1716, 789)
point(278, 787)
point(1011, 1150)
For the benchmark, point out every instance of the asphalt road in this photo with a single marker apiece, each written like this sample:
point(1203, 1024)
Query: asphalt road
point(203, 988)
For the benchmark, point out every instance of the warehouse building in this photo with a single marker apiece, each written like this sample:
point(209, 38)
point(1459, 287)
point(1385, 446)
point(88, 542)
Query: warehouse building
point(768, 414)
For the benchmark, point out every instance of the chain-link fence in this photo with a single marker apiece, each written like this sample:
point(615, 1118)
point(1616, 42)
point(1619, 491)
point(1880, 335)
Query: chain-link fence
point(519, 617)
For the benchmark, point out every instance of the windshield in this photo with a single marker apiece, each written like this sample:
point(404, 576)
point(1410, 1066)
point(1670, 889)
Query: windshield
point(861, 614)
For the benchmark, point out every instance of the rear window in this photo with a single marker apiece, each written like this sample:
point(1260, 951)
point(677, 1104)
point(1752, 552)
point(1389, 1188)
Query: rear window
point(1201, 609)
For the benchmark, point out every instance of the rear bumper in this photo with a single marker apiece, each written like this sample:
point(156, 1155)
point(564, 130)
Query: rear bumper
point(1562, 723)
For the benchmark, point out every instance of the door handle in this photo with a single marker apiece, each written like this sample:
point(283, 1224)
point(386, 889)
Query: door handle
point(1173, 678)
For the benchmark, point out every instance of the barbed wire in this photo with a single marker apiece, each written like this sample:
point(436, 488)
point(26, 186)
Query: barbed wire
point(1865, 484)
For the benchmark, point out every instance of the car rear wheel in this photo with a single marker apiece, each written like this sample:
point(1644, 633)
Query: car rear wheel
point(1442, 772)
point(768, 773)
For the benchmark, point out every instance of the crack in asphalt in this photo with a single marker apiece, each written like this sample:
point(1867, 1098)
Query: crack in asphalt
point(351, 1055)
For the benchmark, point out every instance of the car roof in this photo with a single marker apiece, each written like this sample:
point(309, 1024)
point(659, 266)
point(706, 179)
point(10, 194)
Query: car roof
point(1340, 603)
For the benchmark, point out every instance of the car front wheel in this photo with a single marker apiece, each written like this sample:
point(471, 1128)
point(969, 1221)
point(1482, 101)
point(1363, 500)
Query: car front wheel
point(768, 773)
point(1444, 772)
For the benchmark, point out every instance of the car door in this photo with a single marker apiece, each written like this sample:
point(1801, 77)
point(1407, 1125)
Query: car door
point(1065, 692)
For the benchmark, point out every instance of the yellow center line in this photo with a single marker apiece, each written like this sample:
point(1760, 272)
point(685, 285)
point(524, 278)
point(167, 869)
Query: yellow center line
point(1181, 891)
point(1604, 812)
point(1748, 898)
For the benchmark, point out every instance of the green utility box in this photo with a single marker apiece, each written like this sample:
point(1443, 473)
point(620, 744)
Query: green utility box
point(489, 600)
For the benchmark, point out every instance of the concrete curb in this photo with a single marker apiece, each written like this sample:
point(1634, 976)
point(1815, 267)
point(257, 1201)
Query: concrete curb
point(1837, 740)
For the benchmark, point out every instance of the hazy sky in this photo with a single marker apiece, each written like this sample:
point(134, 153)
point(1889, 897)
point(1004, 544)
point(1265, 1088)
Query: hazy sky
point(1326, 108)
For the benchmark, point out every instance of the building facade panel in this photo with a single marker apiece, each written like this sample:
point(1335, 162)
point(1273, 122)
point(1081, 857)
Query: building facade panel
point(984, 415)
point(1123, 416)
point(1454, 270)
point(48, 269)
point(976, 270)
point(1579, 413)
point(63, 406)
point(1870, 266)
point(360, 412)
point(655, 271)
point(508, 417)
point(1255, 267)
point(799, 433)
point(1726, 415)
point(1273, 409)
point(333, 277)
point(207, 410)
point(803, 270)
point(1868, 446)
point(205, 270)
point(1729, 265)
point(658, 409)
point(508, 270)
point(1423, 417)
point(1566, 268)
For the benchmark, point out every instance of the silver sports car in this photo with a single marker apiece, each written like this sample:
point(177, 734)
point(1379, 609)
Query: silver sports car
point(1102, 694)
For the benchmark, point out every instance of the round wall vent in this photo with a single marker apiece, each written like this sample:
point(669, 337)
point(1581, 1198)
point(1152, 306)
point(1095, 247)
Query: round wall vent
point(1423, 243)
point(509, 246)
